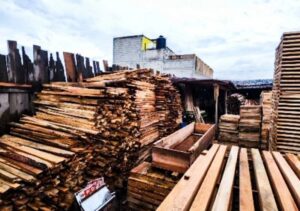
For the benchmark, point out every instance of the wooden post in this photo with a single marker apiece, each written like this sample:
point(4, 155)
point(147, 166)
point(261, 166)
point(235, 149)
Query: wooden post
point(216, 99)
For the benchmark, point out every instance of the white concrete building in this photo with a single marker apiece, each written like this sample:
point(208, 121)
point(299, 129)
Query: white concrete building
point(138, 50)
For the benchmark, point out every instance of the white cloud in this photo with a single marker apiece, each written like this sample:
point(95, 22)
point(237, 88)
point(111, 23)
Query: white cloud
point(234, 37)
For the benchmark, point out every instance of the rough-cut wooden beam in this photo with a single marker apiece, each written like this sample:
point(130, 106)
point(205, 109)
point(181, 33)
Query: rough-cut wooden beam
point(266, 197)
point(88, 68)
point(70, 67)
point(222, 200)
point(3, 69)
point(290, 177)
point(283, 195)
point(203, 197)
point(246, 196)
point(182, 195)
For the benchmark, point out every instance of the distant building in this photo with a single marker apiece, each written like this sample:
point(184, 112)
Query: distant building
point(139, 50)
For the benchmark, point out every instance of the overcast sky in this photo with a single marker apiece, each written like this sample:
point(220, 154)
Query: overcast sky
point(237, 38)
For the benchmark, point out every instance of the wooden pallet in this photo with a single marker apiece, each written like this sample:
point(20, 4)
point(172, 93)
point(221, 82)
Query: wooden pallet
point(285, 130)
point(238, 179)
point(229, 128)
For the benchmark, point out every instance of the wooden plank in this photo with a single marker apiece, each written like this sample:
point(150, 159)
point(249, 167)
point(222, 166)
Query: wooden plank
point(3, 69)
point(294, 163)
point(203, 197)
point(283, 195)
point(70, 67)
point(246, 196)
point(222, 200)
point(18, 173)
point(182, 195)
point(289, 175)
point(266, 197)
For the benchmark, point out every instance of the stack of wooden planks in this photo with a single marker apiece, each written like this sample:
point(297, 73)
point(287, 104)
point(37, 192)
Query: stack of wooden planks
point(285, 132)
point(229, 128)
point(81, 131)
point(266, 103)
point(249, 126)
point(148, 186)
point(238, 179)
point(168, 105)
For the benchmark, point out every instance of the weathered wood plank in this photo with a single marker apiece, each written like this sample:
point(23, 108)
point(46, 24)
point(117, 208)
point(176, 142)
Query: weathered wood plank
point(294, 163)
point(290, 177)
point(222, 200)
point(203, 197)
point(283, 195)
point(246, 196)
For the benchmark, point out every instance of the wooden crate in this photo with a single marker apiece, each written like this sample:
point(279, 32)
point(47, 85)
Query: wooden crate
point(178, 151)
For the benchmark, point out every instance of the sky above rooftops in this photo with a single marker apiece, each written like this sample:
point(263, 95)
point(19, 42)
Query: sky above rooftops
point(236, 38)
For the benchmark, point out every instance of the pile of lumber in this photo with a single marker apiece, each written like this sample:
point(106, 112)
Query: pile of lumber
point(101, 127)
point(285, 130)
point(249, 126)
point(266, 103)
point(148, 186)
point(229, 128)
point(234, 102)
point(168, 105)
point(238, 179)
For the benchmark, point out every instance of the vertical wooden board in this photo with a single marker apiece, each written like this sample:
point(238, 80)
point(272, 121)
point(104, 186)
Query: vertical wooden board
point(60, 71)
point(98, 68)
point(289, 175)
point(294, 163)
point(70, 67)
point(283, 195)
point(37, 75)
point(4, 111)
point(11, 61)
point(44, 66)
point(203, 197)
point(88, 68)
point(223, 198)
point(80, 68)
point(105, 65)
point(27, 67)
point(266, 197)
point(246, 196)
point(52, 69)
point(182, 195)
point(3, 69)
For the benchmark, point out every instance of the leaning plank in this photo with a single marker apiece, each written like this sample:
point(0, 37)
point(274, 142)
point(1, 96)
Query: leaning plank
point(294, 163)
point(183, 193)
point(266, 197)
point(290, 176)
point(222, 201)
point(203, 197)
point(284, 197)
point(246, 196)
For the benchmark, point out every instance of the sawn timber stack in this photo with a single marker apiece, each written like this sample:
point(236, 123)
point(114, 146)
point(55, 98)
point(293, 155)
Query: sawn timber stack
point(101, 127)
point(285, 123)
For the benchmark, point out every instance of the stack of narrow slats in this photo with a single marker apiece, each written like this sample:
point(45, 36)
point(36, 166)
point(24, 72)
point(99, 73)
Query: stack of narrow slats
point(148, 186)
point(266, 103)
point(249, 126)
point(168, 105)
point(238, 179)
point(228, 128)
point(285, 132)
point(81, 131)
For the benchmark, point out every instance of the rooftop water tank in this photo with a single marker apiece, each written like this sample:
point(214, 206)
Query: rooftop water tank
point(161, 42)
